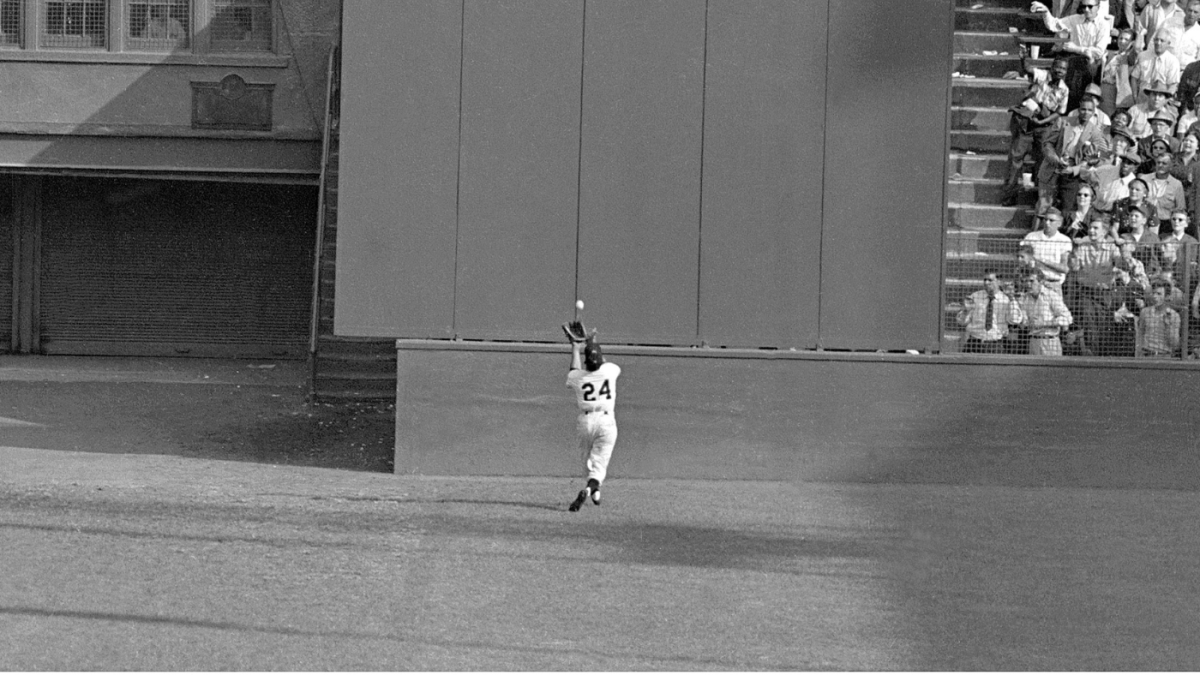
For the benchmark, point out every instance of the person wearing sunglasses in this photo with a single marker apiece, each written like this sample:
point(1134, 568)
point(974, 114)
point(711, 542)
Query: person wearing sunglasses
point(1088, 34)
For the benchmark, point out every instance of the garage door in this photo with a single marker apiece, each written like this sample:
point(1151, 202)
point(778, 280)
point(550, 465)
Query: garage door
point(176, 268)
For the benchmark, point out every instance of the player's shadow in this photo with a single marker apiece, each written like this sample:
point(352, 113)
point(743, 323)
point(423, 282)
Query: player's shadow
point(493, 502)
point(481, 502)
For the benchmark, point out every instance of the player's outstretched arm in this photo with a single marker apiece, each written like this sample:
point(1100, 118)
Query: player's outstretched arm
point(576, 356)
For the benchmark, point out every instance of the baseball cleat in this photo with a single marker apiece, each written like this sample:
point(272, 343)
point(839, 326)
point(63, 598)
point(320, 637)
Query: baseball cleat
point(596, 496)
point(578, 503)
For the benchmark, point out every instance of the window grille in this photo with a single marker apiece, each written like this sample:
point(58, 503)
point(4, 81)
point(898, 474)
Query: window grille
point(11, 20)
point(74, 24)
point(241, 25)
point(159, 25)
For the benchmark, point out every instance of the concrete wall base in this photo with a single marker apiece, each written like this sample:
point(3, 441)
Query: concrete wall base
point(503, 409)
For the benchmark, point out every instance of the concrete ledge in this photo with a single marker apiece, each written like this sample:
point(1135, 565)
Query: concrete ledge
point(503, 409)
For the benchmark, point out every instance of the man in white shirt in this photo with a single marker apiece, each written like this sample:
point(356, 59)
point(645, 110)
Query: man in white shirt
point(1088, 35)
point(1165, 193)
point(1188, 46)
point(986, 315)
point(1156, 65)
point(1049, 250)
point(1045, 315)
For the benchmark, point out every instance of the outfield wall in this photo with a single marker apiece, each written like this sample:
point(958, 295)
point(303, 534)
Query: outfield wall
point(503, 409)
point(736, 173)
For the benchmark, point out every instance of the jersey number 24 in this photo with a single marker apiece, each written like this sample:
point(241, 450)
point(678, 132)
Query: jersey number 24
point(590, 393)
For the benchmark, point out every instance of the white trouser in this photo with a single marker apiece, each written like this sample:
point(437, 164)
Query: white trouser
point(597, 433)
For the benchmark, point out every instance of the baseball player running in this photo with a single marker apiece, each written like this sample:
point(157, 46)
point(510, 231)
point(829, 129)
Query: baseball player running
point(595, 384)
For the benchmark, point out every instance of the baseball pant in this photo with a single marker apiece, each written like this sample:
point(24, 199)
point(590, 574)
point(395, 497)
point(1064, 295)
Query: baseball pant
point(597, 432)
point(1045, 346)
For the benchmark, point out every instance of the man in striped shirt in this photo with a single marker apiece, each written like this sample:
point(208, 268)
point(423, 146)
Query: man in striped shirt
point(1045, 315)
point(1158, 326)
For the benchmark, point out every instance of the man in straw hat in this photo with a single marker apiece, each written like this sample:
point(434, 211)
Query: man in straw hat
point(1157, 97)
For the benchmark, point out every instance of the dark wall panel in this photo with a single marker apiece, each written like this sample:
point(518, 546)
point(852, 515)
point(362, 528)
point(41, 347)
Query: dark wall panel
point(764, 120)
point(398, 176)
point(7, 259)
point(640, 173)
point(886, 144)
point(518, 205)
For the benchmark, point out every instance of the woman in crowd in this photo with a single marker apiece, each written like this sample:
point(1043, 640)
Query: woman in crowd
point(1189, 153)
point(1076, 221)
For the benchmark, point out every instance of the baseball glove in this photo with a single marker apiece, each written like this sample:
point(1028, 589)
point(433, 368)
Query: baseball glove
point(575, 331)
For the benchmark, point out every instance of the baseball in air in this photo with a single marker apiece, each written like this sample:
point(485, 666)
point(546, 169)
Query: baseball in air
point(578, 304)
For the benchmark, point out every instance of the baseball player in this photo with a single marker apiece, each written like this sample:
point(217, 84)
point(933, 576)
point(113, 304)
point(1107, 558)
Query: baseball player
point(595, 384)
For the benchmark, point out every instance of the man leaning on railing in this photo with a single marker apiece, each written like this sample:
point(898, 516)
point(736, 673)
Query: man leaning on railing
point(987, 315)
point(1044, 314)
point(1158, 326)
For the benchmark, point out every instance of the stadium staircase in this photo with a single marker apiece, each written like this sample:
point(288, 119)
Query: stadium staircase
point(342, 368)
point(981, 232)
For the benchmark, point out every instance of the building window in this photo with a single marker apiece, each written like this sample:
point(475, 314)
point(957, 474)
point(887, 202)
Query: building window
point(240, 25)
point(10, 23)
point(159, 25)
point(113, 26)
point(74, 24)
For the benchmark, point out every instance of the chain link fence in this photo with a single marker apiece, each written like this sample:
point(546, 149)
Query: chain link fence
point(1058, 297)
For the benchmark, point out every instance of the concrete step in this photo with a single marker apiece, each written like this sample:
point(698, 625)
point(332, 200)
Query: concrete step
point(978, 165)
point(986, 92)
point(353, 395)
point(977, 42)
point(997, 20)
point(972, 266)
point(992, 219)
point(980, 141)
point(968, 118)
point(334, 345)
point(980, 191)
point(976, 242)
point(994, 65)
point(1011, 4)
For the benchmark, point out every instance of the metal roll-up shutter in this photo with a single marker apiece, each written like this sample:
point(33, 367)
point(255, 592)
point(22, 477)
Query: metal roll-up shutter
point(173, 267)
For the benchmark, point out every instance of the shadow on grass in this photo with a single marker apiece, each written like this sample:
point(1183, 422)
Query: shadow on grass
point(356, 436)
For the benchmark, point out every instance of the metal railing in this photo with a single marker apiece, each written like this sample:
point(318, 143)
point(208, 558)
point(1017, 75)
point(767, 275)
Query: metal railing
point(1083, 298)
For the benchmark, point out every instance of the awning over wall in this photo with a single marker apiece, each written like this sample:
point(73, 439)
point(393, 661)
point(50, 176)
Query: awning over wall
point(192, 158)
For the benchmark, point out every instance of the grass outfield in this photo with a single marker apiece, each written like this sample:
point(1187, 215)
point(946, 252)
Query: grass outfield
point(151, 562)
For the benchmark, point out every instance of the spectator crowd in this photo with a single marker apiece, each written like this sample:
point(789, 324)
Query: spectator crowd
point(1108, 136)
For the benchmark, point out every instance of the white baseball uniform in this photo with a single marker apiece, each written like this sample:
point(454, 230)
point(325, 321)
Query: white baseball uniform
point(596, 395)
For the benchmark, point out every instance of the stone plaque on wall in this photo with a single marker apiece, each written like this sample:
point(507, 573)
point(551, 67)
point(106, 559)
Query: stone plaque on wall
point(232, 103)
